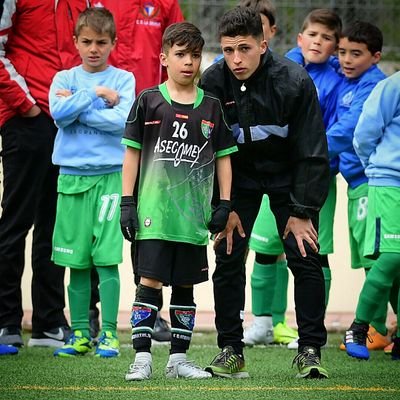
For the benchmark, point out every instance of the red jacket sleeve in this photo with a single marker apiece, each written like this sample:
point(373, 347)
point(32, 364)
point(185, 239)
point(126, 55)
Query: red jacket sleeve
point(13, 89)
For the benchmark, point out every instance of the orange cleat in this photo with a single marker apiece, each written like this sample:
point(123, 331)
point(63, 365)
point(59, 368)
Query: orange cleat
point(388, 349)
point(377, 341)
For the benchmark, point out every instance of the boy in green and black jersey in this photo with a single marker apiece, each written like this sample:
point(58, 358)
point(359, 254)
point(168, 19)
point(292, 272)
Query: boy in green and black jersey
point(176, 134)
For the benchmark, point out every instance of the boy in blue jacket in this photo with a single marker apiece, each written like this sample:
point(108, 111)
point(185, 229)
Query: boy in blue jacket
point(359, 53)
point(317, 41)
point(90, 104)
point(377, 144)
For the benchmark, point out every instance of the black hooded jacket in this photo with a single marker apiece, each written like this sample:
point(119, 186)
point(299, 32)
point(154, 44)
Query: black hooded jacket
point(276, 119)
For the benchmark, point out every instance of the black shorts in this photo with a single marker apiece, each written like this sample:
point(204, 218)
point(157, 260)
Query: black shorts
point(172, 263)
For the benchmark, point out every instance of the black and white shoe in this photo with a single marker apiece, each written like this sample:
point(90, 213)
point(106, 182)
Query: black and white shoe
point(11, 336)
point(161, 330)
point(55, 337)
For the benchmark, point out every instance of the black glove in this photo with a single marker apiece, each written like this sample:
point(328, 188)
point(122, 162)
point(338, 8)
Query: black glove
point(129, 218)
point(219, 216)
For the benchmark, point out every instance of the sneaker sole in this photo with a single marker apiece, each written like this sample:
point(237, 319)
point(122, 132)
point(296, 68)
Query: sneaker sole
point(313, 373)
point(176, 376)
point(236, 375)
point(284, 339)
point(45, 342)
point(68, 355)
point(130, 379)
point(108, 354)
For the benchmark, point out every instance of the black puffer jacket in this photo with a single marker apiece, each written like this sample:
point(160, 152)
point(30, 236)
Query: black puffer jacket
point(279, 130)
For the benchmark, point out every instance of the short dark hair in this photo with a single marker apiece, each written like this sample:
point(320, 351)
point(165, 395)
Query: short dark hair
point(325, 17)
point(263, 7)
point(183, 33)
point(364, 32)
point(99, 19)
point(241, 21)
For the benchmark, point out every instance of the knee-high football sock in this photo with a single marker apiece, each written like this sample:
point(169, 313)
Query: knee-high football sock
point(380, 315)
point(79, 299)
point(144, 312)
point(109, 289)
point(182, 311)
point(263, 281)
point(279, 304)
point(377, 286)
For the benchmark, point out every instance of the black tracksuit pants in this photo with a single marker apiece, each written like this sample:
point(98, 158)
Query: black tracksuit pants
point(229, 278)
point(29, 199)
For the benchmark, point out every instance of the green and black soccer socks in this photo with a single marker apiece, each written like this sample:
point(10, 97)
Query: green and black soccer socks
point(143, 317)
point(182, 312)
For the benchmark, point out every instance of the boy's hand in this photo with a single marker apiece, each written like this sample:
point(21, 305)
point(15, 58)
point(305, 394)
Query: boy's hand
point(302, 229)
point(110, 96)
point(32, 112)
point(232, 224)
point(220, 216)
point(63, 93)
point(129, 218)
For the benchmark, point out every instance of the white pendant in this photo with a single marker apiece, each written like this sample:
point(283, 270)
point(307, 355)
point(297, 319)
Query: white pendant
point(243, 87)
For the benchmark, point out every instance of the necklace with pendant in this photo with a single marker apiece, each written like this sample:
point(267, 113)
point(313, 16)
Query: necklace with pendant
point(243, 88)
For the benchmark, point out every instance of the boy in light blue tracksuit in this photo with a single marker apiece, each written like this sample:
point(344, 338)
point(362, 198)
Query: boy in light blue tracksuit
point(317, 41)
point(359, 51)
point(377, 143)
point(90, 104)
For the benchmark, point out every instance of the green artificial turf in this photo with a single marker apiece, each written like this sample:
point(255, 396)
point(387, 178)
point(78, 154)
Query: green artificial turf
point(35, 374)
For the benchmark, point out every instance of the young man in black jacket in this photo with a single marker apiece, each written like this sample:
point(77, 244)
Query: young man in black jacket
point(272, 107)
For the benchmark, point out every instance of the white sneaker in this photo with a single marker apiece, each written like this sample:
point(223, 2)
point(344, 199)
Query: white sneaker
point(179, 367)
point(260, 332)
point(293, 345)
point(141, 368)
